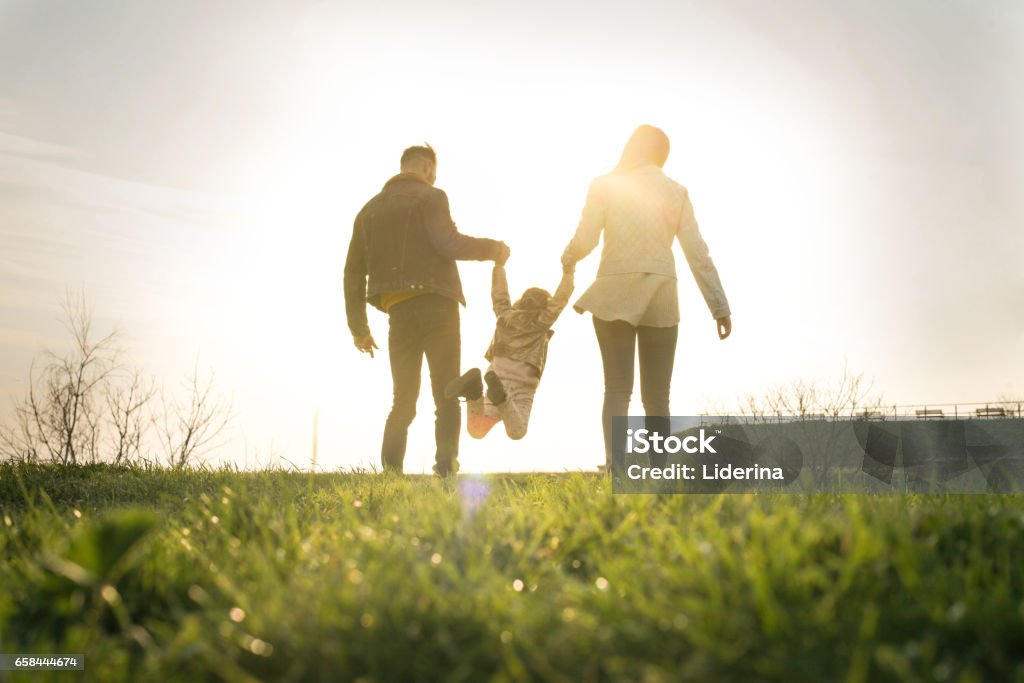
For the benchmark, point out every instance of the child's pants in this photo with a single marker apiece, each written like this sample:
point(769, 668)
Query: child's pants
point(520, 381)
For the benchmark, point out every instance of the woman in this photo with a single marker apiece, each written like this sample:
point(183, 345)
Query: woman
point(634, 300)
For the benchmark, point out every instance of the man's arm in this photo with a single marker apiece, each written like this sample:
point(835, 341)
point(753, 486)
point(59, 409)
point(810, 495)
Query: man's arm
point(699, 259)
point(448, 241)
point(560, 298)
point(588, 232)
point(355, 283)
point(499, 290)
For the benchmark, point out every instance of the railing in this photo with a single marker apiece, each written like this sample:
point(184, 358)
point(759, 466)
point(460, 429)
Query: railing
point(931, 411)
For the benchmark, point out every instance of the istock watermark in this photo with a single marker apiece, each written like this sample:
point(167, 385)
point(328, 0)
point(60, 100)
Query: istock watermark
point(647, 441)
point(741, 454)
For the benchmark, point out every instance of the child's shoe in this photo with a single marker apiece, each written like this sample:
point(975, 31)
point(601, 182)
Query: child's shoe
point(469, 386)
point(495, 389)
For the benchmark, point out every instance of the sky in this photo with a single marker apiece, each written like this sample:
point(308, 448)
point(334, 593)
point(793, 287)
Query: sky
point(193, 169)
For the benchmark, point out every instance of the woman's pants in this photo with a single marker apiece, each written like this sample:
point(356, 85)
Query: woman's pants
point(619, 342)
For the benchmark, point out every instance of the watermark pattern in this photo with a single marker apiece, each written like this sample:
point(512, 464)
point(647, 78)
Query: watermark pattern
point(42, 662)
point(742, 454)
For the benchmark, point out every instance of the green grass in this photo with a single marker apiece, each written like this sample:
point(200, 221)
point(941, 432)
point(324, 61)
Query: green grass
point(275, 576)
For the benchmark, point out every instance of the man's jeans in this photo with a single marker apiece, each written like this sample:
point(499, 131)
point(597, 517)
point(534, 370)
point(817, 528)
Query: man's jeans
point(426, 325)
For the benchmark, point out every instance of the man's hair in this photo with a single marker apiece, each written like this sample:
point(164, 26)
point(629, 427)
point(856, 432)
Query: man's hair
point(423, 151)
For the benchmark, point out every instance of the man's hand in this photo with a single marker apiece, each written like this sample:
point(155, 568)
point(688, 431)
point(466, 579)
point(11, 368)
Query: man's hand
point(366, 344)
point(724, 326)
point(503, 253)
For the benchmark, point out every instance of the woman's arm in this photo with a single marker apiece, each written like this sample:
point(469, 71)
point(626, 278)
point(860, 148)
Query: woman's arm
point(699, 259)
point(559, 299)
point(588, 232)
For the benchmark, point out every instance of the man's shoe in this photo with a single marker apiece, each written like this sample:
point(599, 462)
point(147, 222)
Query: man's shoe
point(495, 390)
point(446, 469)
point(469, 386)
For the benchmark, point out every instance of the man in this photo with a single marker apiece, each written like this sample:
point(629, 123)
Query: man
point(402, 260)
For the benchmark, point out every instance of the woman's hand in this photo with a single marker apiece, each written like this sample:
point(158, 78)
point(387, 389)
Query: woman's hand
point(724, 326)
point(568, 262)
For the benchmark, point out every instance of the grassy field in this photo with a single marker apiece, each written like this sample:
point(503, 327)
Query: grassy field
point(275, 576)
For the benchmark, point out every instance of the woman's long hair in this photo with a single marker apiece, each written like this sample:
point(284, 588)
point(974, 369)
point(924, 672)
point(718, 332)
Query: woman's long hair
point(647, 145)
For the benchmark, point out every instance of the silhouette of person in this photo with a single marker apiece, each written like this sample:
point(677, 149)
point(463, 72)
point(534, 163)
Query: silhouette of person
point(634, 300)
point(401, 259)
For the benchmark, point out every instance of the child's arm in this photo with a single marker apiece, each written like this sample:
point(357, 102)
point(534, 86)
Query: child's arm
point(499, 290)
point(561, 297)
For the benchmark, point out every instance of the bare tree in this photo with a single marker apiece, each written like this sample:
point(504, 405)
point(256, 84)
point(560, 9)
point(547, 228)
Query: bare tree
point(816, 411)
point(188, 429)
point(126, 403)
point(87, 406)
point(849, 395)
point(18, 442)
point(61, 418)
point(1011, 403)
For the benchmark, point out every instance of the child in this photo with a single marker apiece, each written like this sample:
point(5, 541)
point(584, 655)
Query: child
point(517, 354)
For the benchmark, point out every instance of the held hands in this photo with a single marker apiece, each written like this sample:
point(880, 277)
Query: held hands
point(724, 326)
point(503, 253)
point(568, 262)
point(366, 344)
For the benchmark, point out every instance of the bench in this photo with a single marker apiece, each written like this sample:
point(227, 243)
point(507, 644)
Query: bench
point(929, 412)
point(990, 411)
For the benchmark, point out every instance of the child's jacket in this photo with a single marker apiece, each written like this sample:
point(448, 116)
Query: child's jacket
point(524, 334)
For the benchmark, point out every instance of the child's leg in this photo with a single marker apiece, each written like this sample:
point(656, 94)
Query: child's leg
point(519, 383)
point(481, 415)
point(515, 412)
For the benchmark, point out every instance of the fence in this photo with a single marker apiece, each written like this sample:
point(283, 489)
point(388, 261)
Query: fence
point(931, 411)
